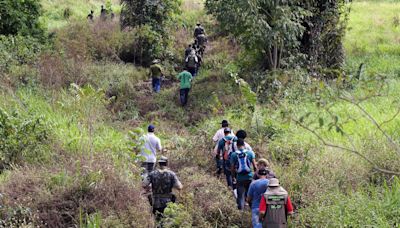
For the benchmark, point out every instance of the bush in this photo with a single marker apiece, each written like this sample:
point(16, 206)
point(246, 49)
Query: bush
point(77, 192)
point(21, 138)
point(20, 17)
point(18, 50)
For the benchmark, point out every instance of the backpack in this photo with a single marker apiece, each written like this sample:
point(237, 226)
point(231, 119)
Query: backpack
point(191, 61)
point(243, 163)
point(276, 211)
point(229, 147)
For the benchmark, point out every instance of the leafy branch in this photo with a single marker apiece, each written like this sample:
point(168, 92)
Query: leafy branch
point(354, 151)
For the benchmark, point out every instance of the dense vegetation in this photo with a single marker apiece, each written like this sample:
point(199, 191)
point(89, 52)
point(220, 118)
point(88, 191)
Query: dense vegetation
point(72, 112)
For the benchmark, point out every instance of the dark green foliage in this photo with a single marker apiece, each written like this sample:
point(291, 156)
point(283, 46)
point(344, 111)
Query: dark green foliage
point(284, 33)
point(151, 20)
point(20, 17)
point(271, 27)
point(155, 13)
point(18, 50)
point(19, 137)
point(325, 29)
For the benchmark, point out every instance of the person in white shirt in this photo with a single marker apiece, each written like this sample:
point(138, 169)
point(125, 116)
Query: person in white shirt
point(152, 144)
point(219, 135)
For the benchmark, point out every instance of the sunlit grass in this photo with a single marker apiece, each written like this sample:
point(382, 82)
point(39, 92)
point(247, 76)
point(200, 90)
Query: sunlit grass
point(373, 37)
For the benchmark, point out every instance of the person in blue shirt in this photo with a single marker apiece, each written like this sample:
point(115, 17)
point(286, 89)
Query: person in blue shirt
point(256, 190)
point(241, 162)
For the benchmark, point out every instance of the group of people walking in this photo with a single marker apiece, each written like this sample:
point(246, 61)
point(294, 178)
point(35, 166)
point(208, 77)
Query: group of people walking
point(193, 58)
point(252, 183)
point(103, 14)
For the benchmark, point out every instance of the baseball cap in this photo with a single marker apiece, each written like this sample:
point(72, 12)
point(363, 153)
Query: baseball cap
point(227, 129)
point(150, 128)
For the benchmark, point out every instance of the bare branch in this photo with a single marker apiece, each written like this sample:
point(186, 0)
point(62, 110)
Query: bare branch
point(356, 152)
point(374, 122)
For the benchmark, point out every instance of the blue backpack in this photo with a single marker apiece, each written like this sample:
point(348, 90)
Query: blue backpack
point(243, 162)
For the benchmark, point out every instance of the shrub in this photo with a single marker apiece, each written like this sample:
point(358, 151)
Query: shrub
point(18, 50)
point(20, 17)
point(21, 138)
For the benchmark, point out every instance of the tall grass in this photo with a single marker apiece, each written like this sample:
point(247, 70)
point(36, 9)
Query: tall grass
point(373, 37)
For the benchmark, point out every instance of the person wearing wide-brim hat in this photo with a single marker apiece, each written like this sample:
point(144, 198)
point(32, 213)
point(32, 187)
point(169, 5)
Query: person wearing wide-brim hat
point(275, 205)
point(156, 74)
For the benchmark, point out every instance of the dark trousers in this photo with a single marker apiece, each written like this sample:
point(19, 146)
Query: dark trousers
point(193, 71)
point(224, 165)
point(242, 189)
point(184, 96)
point(156, 84)
point(148, 166)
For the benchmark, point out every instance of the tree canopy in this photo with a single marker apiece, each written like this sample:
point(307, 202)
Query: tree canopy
point(20, 17)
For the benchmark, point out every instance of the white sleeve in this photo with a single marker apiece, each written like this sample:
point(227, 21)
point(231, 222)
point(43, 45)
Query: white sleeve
point(216, 138)
point(159, 147)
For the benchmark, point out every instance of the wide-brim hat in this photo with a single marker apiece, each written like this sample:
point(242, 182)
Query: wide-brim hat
point(273, 182)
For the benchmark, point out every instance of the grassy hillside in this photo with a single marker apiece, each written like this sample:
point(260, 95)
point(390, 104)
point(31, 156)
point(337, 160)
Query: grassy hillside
point(54, 10)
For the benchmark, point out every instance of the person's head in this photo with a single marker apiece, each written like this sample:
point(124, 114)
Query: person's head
point(240, 143)
point(163, 161)
point(102, 7)
point(241, 134)
point(273, 183)
point(91, 12)
point(227, 131)
point(262, 173)
point(190, 45)
point(262, 163)
point(225, 123)
point(150, 128)
point(198, 24)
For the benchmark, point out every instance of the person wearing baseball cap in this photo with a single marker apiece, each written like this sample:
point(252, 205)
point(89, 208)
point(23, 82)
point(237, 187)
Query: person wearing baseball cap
point(152, 144)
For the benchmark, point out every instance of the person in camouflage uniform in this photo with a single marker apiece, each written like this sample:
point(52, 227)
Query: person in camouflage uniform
point(162, 182)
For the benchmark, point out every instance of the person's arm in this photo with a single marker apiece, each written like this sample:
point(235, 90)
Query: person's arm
point(215, 138)
point(249, 197)
point(158, 146)
point(262, 208)
point(177, 184)
point(146, 182)
point(254, 164)
point(289, 206)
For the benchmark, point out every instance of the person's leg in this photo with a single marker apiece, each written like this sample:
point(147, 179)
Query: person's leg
point(186, 95)
point(219, 165)
point(182, 96)
point(240, 194)
point(153, 84)
point(158, 85)
point(246, 187)
point(228, 173)
point(150, 167)
point(255, 219)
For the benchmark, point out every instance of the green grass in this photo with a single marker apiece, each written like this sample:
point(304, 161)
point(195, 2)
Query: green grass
point(54, 10)
point(373, 37)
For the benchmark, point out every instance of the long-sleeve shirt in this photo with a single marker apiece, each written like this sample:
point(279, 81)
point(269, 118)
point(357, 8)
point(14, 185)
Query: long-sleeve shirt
point(263, 205)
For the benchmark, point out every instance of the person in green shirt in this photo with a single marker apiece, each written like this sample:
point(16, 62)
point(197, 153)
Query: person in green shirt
point(156, 74)
point(185, 78)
